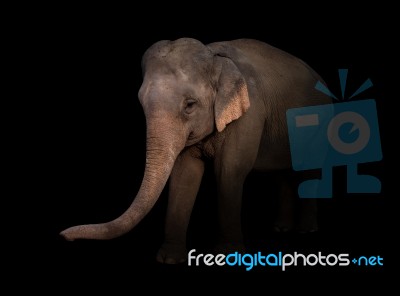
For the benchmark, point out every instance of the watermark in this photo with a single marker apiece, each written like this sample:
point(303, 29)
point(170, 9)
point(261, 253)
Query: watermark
point(344, 133)
point(281, 260)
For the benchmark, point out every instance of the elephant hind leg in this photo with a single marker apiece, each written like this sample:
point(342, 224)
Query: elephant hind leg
point(285, 218)
point(306, 208)
point(307, 218)
point(294, 213)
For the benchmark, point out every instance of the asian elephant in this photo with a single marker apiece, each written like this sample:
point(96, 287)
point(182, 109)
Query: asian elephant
point(226, 101)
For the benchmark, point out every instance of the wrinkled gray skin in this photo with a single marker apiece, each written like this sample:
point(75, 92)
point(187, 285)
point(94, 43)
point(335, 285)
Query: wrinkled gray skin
point(225, 101)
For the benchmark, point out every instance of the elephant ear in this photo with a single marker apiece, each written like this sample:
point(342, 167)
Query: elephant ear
point(232, 98)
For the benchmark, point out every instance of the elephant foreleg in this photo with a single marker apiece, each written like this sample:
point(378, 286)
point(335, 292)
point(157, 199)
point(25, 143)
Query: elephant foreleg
point(184, 184)
point(229, 214)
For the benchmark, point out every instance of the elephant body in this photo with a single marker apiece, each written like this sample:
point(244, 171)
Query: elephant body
point(226, 101)
point(276, 81)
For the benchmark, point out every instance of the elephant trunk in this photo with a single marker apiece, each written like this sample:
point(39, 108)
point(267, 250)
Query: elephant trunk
point(161, 154)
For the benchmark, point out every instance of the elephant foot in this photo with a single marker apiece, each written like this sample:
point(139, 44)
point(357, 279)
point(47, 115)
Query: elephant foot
point(229, 247)
point(278, 228)
point(283, 224)
point(172, 253)
point(307, 221)
point(307, 224)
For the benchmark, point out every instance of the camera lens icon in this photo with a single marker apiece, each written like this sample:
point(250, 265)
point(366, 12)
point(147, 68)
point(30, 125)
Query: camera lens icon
point(358, 122)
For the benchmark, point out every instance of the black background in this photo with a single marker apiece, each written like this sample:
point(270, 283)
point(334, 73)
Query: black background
point(94, 130)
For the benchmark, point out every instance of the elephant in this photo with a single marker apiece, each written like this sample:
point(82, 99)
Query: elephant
point(225, 102)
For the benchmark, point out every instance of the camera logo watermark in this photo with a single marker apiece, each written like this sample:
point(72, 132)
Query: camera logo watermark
point(344, 133)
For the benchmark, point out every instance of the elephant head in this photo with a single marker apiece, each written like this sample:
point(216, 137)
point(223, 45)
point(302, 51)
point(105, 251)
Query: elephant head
point(189, 91)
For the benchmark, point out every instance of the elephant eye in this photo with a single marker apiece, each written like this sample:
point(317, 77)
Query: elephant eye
point(190, 105)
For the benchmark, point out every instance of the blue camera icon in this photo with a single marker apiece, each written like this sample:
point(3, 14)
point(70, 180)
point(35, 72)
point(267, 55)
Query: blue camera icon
point(325, 136)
